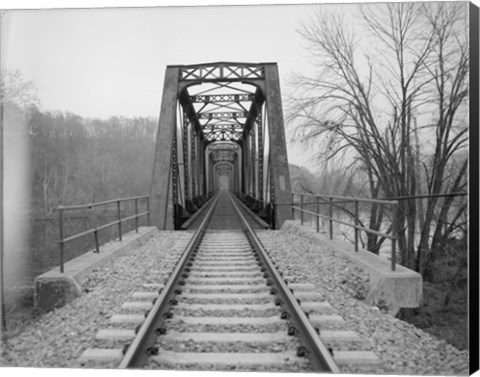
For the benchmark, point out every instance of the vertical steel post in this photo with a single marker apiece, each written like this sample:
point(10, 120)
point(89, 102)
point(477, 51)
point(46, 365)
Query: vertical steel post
point(61, 242)
point(160, 189)
point(330, 217)
point(301, 209)
point(97, 246)
point(356, 224)
point(393, 257)
point(293, 206)
point(148, 210)
point(136, 215)
point(260, 156)
point(119, 221)
point(317, 202)
point(278, 159)
point(186, 159)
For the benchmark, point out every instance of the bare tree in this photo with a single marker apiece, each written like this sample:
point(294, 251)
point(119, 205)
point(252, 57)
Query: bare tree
point(372, 97)
point(15, 89)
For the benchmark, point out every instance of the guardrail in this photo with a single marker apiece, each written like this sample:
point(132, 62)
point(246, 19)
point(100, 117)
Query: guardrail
point(62, 209)
point(333, 201)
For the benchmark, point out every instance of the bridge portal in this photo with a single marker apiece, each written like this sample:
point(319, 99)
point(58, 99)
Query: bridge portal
point(221, 127)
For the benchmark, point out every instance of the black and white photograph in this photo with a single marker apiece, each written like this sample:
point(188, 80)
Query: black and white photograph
point(268, 187)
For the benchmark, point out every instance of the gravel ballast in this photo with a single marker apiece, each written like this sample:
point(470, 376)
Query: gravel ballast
point(58, 338)
point(403, 348)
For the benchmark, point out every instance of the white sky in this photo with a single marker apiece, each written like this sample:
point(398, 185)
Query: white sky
point(105, 62)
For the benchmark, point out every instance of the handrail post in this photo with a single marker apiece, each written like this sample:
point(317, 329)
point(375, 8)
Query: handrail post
point(317, 202)
point(393, 257)
point(136, 215)
point(148, 210)
point(119, 221)
point(293, 206)
point(330, 217)
point(61, 243)
point(301, 209)
point(97, 246)
point(356, 224)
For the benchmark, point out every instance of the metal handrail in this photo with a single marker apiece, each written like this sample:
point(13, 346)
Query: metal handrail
point(330, 200)
point(94, 231)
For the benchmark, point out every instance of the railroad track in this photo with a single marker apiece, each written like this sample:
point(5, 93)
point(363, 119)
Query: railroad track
point(227, 307)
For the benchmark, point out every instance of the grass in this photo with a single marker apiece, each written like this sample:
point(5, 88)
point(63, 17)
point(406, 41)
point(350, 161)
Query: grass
point(448, 322)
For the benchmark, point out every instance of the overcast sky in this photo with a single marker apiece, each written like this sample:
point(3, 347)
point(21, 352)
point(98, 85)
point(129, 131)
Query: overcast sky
point(105, 62)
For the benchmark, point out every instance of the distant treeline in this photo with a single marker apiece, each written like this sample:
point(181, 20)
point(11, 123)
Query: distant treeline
point(79, 160)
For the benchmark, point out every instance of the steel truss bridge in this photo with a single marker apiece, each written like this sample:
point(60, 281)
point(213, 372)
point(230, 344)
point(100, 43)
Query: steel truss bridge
point(221, 126)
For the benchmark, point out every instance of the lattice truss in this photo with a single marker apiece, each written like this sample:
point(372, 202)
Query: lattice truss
point(223, 156)
point(222, 109)
point(221, 71)
point(224, 169)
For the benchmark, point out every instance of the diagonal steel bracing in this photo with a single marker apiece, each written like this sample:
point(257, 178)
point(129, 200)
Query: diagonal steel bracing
point(227, 113)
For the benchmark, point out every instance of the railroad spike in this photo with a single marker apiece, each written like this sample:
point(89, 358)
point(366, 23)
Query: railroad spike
point(152, 351)
point(302, 351)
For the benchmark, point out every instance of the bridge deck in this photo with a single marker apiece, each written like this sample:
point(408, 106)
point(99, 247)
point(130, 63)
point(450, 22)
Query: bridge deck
point(224, 217)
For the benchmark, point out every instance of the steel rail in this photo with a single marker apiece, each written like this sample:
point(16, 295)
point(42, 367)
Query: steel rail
point(136, 354)
point(318, 353)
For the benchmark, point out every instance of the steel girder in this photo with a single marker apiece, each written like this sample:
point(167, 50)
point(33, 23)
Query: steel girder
point(235, 103)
